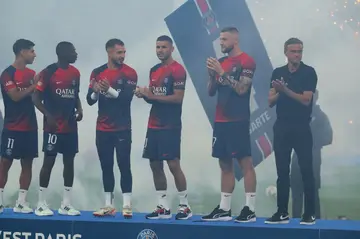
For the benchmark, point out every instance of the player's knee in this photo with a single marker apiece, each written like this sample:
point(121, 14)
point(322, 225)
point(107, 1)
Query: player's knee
point(106, 166)
point(68, 162)
point(157, 167)
point(26, 164)
point(174, 166)
point(124, 164)
point(226, 165)
point(5, 164)
point(246, 164)
point(48, 163)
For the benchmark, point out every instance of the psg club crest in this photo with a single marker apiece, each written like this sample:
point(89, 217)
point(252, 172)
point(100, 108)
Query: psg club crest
point(195, 28)
point(208, 16)
point(147, 234)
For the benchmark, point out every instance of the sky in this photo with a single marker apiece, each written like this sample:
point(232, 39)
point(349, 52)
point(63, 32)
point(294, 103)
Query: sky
point(331, 51)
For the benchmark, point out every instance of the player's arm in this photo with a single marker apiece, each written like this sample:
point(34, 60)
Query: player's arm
point(37, 99)
point(93, 91)
point(127, 93)
point(140, 95)
point(79, 105)
point(309, 90)
point(179, 77)
point(11, 89)
point(243, 84)
point(147, 100)
point(78, 102)
point(273, 94)
point(273, 97)
point(175, 98)
point(212, 85)
point(37, 96)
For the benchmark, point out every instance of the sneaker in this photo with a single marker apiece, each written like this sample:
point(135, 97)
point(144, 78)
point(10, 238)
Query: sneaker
point(105, 211)
point(68, 210)
point(43, 210)
point(1, 209)
point(218, 214)
point(127, 212)
point(159, 213)
point(184, 212)
point(246, 215)
point(22, 208)
point(278, 218)
point(308, 220)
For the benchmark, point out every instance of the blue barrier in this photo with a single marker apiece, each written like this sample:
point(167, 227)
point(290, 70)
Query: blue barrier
point(86, 226)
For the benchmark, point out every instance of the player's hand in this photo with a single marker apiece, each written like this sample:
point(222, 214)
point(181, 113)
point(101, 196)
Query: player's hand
point(36, 79)
point(104, 85)
point(211, 72)
point(214, 65)
point(79, 115)
point(137, 92)
point(51, 122)
point(95, 86)
point(146, 92)
point(279, 85)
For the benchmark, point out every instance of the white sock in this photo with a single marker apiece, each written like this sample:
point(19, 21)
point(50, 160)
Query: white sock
point(225, 203)
point(183, 198)
point(250, 201)
point(22, 196)
point(67, 196)
point(162, 199)
point(42, 195)
point(1, 196)
point(126, 199)
point(109, 199)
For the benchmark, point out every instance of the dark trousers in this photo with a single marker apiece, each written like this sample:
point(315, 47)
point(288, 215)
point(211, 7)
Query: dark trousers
point(296, 184)
point(289, 136)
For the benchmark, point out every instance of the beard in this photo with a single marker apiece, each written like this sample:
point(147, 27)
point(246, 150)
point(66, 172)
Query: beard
point(227, 50)
point(117, 62)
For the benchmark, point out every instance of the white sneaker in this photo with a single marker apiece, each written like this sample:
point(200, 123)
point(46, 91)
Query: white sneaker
point(68, 210)
point(105, 211)
point(1, 208)
point(127, 211)
point(22, 208)
point(43, 210)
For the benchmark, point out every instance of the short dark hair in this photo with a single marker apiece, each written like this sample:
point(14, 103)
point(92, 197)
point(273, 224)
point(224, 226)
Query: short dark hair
point(292, 41)
point(22, 44)
point(165, 38)
point(230, 29)
point(112, 42)
point(63, 46)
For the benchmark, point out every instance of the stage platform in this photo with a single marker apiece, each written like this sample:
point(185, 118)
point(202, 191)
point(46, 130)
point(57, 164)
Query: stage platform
point(86, 226)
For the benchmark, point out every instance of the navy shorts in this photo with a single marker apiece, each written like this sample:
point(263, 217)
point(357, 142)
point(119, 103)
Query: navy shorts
point(106, 142)
point(231, 140)
point(162, 144)
point(63, 143)
point(19, 144)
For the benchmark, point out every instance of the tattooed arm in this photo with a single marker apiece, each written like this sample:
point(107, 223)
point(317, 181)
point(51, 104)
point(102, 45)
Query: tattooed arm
point(241, 86)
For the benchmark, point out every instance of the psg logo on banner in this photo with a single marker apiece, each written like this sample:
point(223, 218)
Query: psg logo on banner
point(195, 28)
point(208, 16)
